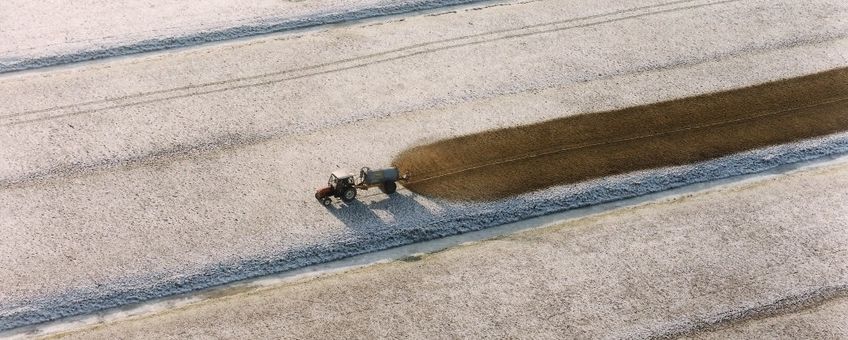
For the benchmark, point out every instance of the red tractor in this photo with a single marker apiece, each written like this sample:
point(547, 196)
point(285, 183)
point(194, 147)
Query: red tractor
point(343, 184)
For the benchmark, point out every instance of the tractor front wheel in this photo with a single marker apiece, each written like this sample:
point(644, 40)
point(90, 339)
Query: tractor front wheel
point(348, 194)
point(389, 187)
point(326, 201)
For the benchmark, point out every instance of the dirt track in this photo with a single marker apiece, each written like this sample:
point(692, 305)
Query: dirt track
point(504, 162)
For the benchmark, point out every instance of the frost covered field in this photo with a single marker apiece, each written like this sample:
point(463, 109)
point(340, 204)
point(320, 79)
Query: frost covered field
point(43, 33)
point(658, 269)
point(135, 178)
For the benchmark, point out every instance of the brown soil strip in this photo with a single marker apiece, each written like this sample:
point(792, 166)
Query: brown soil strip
point(500, 163)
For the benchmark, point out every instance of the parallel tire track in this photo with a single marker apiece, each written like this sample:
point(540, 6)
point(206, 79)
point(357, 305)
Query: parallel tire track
point(38, 115)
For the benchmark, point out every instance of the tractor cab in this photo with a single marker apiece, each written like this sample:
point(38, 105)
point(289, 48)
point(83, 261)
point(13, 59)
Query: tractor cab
point(341, 184)
point(339, 179)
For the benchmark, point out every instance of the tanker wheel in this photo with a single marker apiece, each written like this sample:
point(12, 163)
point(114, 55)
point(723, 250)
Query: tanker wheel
point(389, 187)
point(349, 194)
point(326, 201)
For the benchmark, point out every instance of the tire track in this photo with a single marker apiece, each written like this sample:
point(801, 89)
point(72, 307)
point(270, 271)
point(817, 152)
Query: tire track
point(783, 305)
point(231, 141)
point(38, 115)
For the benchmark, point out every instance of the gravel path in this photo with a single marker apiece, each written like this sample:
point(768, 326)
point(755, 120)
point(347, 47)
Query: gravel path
point(726, 260)
point(137, 178)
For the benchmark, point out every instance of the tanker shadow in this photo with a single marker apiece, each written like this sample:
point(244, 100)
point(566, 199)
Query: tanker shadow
point(400, 208)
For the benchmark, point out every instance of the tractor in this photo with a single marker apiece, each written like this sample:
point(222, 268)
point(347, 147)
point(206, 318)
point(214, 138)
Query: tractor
point(343, 184)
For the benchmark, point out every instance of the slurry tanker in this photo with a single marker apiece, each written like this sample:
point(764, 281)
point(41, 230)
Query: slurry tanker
point(344, 185)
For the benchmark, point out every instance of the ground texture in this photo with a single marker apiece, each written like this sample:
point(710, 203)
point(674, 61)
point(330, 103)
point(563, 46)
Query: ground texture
point(500, 163)
point(655, 270)
point(94, 29)
point(136, 178)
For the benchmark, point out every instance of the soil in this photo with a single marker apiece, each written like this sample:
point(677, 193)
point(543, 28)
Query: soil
point(505, 162)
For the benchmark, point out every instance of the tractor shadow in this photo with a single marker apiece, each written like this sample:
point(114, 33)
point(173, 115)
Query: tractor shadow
point(395, 209)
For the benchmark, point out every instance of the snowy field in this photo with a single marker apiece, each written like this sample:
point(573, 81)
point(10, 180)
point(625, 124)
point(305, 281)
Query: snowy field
point(141, 177)
point(45, 33)
point(660, 269)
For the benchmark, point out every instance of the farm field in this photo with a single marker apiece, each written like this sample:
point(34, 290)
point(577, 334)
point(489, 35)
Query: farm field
point(654, 270)
point(129, 179)
point(31, 36)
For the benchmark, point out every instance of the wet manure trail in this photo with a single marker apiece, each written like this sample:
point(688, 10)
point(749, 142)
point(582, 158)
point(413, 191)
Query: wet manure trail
point(500, 163)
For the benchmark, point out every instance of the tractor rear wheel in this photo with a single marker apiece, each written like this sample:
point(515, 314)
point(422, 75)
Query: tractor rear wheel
point(389, 187)
point(348, 194)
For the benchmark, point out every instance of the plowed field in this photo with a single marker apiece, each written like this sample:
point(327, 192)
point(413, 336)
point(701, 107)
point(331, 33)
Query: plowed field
point(499, 163)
